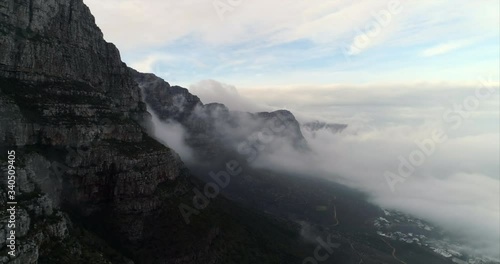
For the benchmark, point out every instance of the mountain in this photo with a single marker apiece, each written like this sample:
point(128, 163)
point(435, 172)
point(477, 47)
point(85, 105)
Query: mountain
point(213, 126)
point(319, 126)
point(91, 185)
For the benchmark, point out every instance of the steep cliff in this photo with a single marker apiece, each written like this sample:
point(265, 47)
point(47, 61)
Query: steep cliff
point(73, 114)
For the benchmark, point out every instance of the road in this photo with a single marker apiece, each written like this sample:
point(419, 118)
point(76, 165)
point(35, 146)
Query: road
point(393, 251)
point(357, 252)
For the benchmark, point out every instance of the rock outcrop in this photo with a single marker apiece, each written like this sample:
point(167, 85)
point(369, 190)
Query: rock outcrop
point(58, 40)
point(214, 130)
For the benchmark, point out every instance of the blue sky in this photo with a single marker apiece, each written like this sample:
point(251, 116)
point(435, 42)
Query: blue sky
point(265, 43)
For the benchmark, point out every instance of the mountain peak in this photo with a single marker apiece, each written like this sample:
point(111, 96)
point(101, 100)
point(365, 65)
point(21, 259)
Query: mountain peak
point(319, 125)
point(211, 120)
point(59, 41)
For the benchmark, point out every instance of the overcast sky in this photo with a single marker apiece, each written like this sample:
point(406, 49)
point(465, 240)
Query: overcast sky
point(267, 42)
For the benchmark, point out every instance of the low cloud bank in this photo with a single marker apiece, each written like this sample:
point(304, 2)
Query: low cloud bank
point(430, 151)
point(418, 149)
point(457, 187)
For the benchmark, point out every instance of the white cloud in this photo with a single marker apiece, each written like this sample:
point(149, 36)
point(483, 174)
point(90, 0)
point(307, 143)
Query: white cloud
point(244, 48)
point(457, 187)
point(444, 48)
point(172, 135)
point(399, 102)
point(138, 24)
point(211, 91)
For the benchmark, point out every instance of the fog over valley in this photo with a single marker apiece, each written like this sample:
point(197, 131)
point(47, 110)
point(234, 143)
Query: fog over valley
point(455, 186)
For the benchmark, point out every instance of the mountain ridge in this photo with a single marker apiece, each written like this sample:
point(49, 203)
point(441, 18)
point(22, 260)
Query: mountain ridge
point(209, 121)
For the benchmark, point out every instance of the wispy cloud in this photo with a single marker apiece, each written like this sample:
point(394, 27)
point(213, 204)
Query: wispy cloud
point(444, 48)
point(147, 64)
point(302, 39)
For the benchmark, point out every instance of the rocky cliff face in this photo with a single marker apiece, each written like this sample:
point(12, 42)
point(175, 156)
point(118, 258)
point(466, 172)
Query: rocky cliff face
point(58, 40)
point(73, 114)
